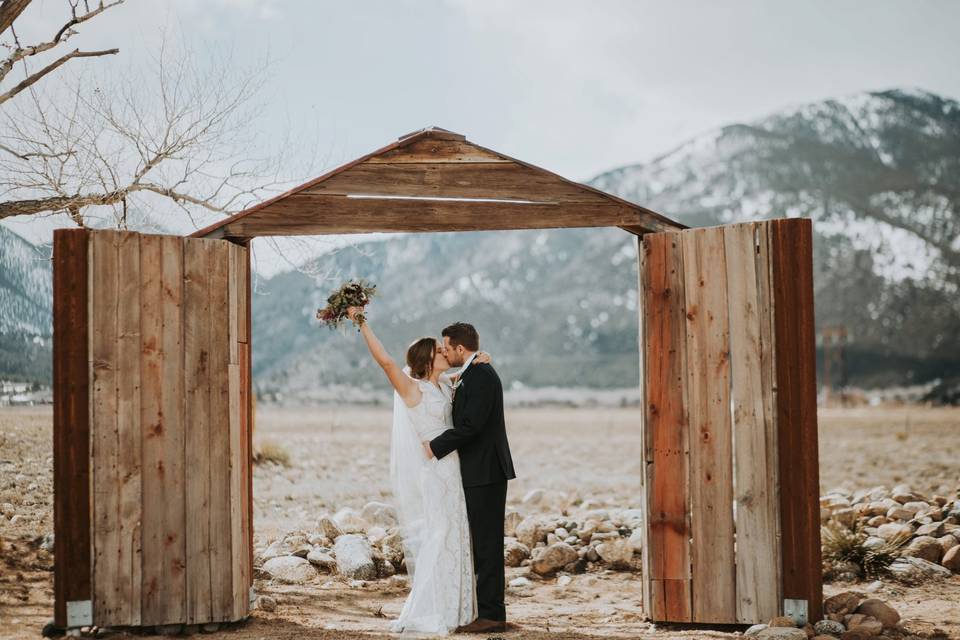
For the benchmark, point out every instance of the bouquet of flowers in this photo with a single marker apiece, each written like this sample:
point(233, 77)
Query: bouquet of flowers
point(355, 293)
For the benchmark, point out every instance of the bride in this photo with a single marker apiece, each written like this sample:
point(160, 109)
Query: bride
point(431, 508)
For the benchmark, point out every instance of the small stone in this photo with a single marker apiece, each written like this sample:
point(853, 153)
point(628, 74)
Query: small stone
point(782, 633)
point(828, 628)
point(290, 569)
point(563, 581)
point(354, 557)
point(552, 558)
point(616, 552)
point(874, 586)
point(329, 528)
point(266, 603)
point(893, 530)
point(924, 547)
point(47, 544)
point(531, 531)
point(350, 521)
point(636, 540)
point(510, 523)
point(357, 584)
point(322, 560)
point(514, 553)
point(755, 629)
point(881, 611)
point(520, 582)
point(951, 559)
point(842, 603)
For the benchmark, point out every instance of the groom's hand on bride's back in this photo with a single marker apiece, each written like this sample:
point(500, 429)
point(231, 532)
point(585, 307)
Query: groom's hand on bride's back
point(427, 450)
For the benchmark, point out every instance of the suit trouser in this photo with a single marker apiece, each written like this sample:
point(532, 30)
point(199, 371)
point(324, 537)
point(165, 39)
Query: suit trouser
point(486, 506)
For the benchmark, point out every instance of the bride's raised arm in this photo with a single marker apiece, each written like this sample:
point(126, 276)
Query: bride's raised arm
point(404, 384)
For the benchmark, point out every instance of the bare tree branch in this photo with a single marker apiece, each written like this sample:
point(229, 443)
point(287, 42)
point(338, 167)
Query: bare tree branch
point(10, 10)
point(32, 78)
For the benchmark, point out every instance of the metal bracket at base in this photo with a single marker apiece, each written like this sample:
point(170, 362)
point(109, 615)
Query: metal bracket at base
point(79, 613)
point(796, 609)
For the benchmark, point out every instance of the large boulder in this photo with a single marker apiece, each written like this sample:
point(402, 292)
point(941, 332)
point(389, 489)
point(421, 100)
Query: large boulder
point(880, 610)
point(551, 559)
point(290, 569)
point(354, 557)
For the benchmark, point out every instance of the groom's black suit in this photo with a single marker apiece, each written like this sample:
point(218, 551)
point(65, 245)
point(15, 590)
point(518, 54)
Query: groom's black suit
point(479, 435)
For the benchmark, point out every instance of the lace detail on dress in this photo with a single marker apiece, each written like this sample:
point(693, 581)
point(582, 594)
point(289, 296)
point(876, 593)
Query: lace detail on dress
point(443, 591)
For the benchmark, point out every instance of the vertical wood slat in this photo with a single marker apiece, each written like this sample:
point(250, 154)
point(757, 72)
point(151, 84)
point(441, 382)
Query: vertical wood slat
point(199, 323)
point(665, 419)
point(246, 422)
point(129, 435)
point(221, 549)
point(645, 559)
point(71, 421)
point(110, 603)
point(708, 402)
point(756, 511)
point(235, 256)
point(791, 256)
point(164, 516)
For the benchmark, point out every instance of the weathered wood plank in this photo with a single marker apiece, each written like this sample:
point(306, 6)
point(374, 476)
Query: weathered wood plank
point(304, 214)
point(246, 390)
point(129, 434)
point(164, 516)
point(71, 420)
point(233, 304)
point(501, 180)
point(109, 589)
point(237, 538)
point(708, 402)
point(221, 549)
point(647, 450)
point(197, 328)
point(666, 421)
point(791, 254)
point(756, 511)
point(433, 150)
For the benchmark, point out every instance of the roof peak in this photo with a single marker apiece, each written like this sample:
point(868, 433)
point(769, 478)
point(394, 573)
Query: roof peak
point(433, 132)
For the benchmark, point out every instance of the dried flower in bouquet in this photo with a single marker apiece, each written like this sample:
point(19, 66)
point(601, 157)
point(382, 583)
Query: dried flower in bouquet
point(355, 293)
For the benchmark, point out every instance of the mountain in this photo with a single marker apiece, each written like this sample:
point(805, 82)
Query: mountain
point(26, 309)
point(877, 172)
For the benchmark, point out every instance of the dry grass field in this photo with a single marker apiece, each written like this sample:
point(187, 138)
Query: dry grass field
point(338, 456)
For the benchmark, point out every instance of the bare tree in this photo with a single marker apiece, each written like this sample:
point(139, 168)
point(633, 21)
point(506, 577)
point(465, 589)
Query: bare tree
point(137, 143)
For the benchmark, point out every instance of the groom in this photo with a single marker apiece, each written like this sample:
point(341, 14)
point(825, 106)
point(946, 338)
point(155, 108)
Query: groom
point(479, 434)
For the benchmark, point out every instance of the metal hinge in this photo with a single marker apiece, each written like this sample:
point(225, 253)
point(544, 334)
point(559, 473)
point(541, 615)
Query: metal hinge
point(796, 609)
point(79, 613)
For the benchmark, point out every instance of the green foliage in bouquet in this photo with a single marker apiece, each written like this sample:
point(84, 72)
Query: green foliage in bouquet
point(355, 293)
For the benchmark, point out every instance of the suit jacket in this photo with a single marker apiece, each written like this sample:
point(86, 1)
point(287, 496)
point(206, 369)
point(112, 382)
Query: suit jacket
point(479, 430)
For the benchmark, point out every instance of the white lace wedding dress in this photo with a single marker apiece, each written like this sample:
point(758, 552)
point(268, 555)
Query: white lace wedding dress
point(432, 513)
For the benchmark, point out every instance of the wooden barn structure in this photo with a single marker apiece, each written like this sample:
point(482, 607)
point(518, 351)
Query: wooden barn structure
point(153, 413)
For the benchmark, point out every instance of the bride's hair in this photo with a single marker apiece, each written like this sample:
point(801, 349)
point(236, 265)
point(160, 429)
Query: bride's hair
point(420, 356)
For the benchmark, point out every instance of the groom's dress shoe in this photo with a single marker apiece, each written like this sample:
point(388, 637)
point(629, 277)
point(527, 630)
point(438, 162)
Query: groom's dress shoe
point(482, 625)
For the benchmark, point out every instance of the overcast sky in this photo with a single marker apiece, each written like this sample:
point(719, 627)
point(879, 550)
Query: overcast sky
point(575, 87)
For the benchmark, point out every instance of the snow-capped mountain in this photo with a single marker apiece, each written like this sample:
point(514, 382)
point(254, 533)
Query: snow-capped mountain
point(26, 309)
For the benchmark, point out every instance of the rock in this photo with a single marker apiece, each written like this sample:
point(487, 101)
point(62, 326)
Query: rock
point(616, 553)
point(520, 582)
point(755, 629)
point(354, 557)
point(514, 553)
point(322, 560)
point(782, 621)
point(510, 523)
point(533, 497)
point(911, 569)
point(855, 634)
point(47, 544)
point(385, 568)
point(636, 540)
point(531, 531)
point(290, 569)
point(881, 611)
point(893, 530)
point(924, 547)
point(563, 581)
point(873, 542)
point(552, 539)
point(916, 506)
point(951, 559)
point(552, 558)
point(899, 513)
point(874, 586)
point(903, 494)
point(828, 628)
point(379, 514)
point(782, 633)
point(329, 528)
point(842, 603)
point(592, 555)
point(869, 624)
point(266, 603)
point(934, 530)
point(350, 521)
point(319, 540)
point(947, 542)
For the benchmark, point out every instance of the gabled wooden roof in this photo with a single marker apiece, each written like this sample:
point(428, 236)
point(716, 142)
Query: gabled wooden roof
point(436, 180)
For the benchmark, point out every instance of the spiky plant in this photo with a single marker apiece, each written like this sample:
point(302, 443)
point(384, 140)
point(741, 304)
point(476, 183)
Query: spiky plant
point(842, 544)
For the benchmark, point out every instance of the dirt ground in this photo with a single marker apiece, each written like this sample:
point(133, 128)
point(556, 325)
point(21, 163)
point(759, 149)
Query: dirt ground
point(339, 457)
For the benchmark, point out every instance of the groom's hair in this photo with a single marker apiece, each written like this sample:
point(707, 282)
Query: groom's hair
point(463, 334)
